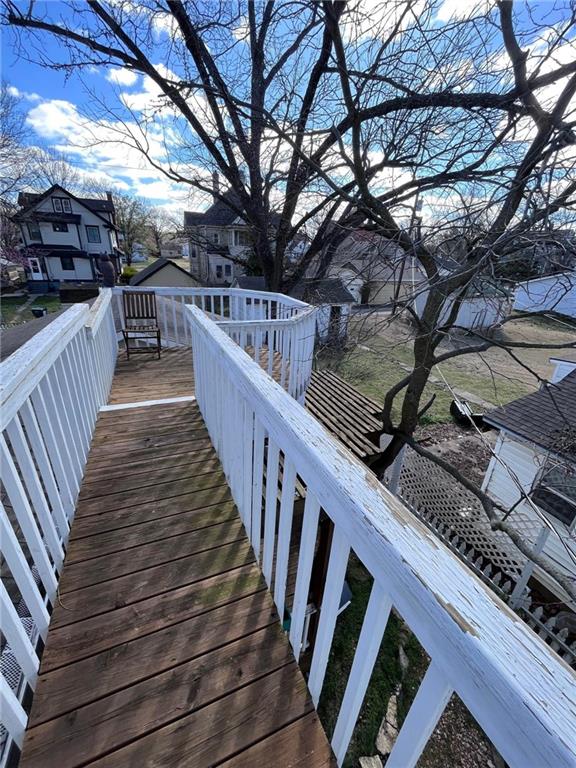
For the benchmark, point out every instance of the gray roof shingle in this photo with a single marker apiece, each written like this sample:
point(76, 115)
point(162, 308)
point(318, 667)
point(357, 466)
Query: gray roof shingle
point(329, 290)
point(546, 418)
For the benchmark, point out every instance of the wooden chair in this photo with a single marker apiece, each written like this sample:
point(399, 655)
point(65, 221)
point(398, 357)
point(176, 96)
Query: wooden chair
point(140, 321)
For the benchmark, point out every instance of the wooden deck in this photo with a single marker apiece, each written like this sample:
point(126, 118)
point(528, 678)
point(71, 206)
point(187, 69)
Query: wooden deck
point(165, 648)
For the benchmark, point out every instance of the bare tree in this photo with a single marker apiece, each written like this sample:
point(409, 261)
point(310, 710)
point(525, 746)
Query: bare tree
point(14, 159)
point(340, 114)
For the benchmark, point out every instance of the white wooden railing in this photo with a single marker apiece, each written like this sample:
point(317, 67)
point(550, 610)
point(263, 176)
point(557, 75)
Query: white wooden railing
point(51, 390)
point(520, 693)
point(278, 330)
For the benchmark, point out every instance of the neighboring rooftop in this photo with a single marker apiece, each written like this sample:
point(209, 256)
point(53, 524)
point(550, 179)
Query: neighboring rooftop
point(156, 266)
point(251, 282)
point(329, 290)
point(546, 418)
point(26, 199)
point(219, 214)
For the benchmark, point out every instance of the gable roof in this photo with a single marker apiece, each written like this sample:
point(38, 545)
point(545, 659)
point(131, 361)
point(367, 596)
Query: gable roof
point(219, 214)
point(29, 200)
point(329, 290)
point(251, 282)
point(156, 266)
point(546, 418)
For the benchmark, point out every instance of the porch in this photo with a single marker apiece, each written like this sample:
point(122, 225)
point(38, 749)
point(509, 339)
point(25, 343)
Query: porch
point(157, 640)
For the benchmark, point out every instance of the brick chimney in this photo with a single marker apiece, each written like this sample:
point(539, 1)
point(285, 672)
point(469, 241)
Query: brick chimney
point(215, 185)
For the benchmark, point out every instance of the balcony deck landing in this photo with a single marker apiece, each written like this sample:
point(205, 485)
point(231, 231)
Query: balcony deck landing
point(165, 648)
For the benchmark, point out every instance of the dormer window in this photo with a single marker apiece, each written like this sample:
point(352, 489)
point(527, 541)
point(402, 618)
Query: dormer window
point(61, 205)
point(215, 237)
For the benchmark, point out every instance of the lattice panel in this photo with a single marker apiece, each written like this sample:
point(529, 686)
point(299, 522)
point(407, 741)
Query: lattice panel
point(431, 491)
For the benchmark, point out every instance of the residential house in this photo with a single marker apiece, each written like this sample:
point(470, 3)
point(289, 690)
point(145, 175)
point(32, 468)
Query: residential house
point(163, 273)
point(218, 239)
point(533, 470)
point(64, 236)
point(171, 247)
point(374, 268)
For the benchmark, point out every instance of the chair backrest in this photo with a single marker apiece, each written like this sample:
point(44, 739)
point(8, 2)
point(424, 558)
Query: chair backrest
point(140, 305)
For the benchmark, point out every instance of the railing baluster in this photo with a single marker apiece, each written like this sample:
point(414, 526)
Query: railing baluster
point(433, 695)
point(339, 552)
point(16, 561)
point(305, 559)
point(14, 717)
point(15, 634)
point(62, 431)
point(35, 492)
point(284, 533)
point(247, 467)
point(46, 472)
point(367, 649)
point(26, 521)
point(270, 509)
point(257, 477)
point(175, 321)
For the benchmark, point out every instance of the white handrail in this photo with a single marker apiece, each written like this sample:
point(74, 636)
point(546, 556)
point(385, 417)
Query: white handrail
point(520, 693)
point(51, 391)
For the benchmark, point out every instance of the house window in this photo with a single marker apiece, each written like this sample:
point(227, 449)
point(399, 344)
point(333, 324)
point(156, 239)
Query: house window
point(555, 492)
point(34, 231)
point(93, 234)
point(241, 237)
point(219, 270)
point(215, 237)
point(193, 252)
point(60, 226)
point(61, 205)
point(67, 263)
point(228, 270)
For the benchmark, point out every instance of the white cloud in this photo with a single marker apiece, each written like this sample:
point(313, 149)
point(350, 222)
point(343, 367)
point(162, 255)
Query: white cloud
point(462, 9)
point(121, 76)
point(376, 20)
point(18, 94)
point(103, 150)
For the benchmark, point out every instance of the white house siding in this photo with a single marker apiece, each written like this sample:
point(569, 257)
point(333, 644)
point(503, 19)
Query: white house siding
point(477, 312)
point(555, 293)
point(59, 238)
point(521, 462)
point(82, 269)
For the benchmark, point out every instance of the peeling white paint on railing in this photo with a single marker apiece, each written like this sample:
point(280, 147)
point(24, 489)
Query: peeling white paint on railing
point(51, 390)
point(520, 693)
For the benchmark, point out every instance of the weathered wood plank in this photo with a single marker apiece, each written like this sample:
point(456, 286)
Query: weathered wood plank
point(164, 509)
point(151, 704)
point(105, 543)
point(224, 728)
point(174, 552)
point(58, 691)
point(156, 492)
point(124, 623)
point(302, 744)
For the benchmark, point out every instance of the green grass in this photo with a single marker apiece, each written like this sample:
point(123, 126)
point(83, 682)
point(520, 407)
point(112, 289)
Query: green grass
point(9, 306)
point(385, 677)
point(374, 373)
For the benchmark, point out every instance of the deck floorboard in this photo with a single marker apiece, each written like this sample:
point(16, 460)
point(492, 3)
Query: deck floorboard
point(165, 647)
